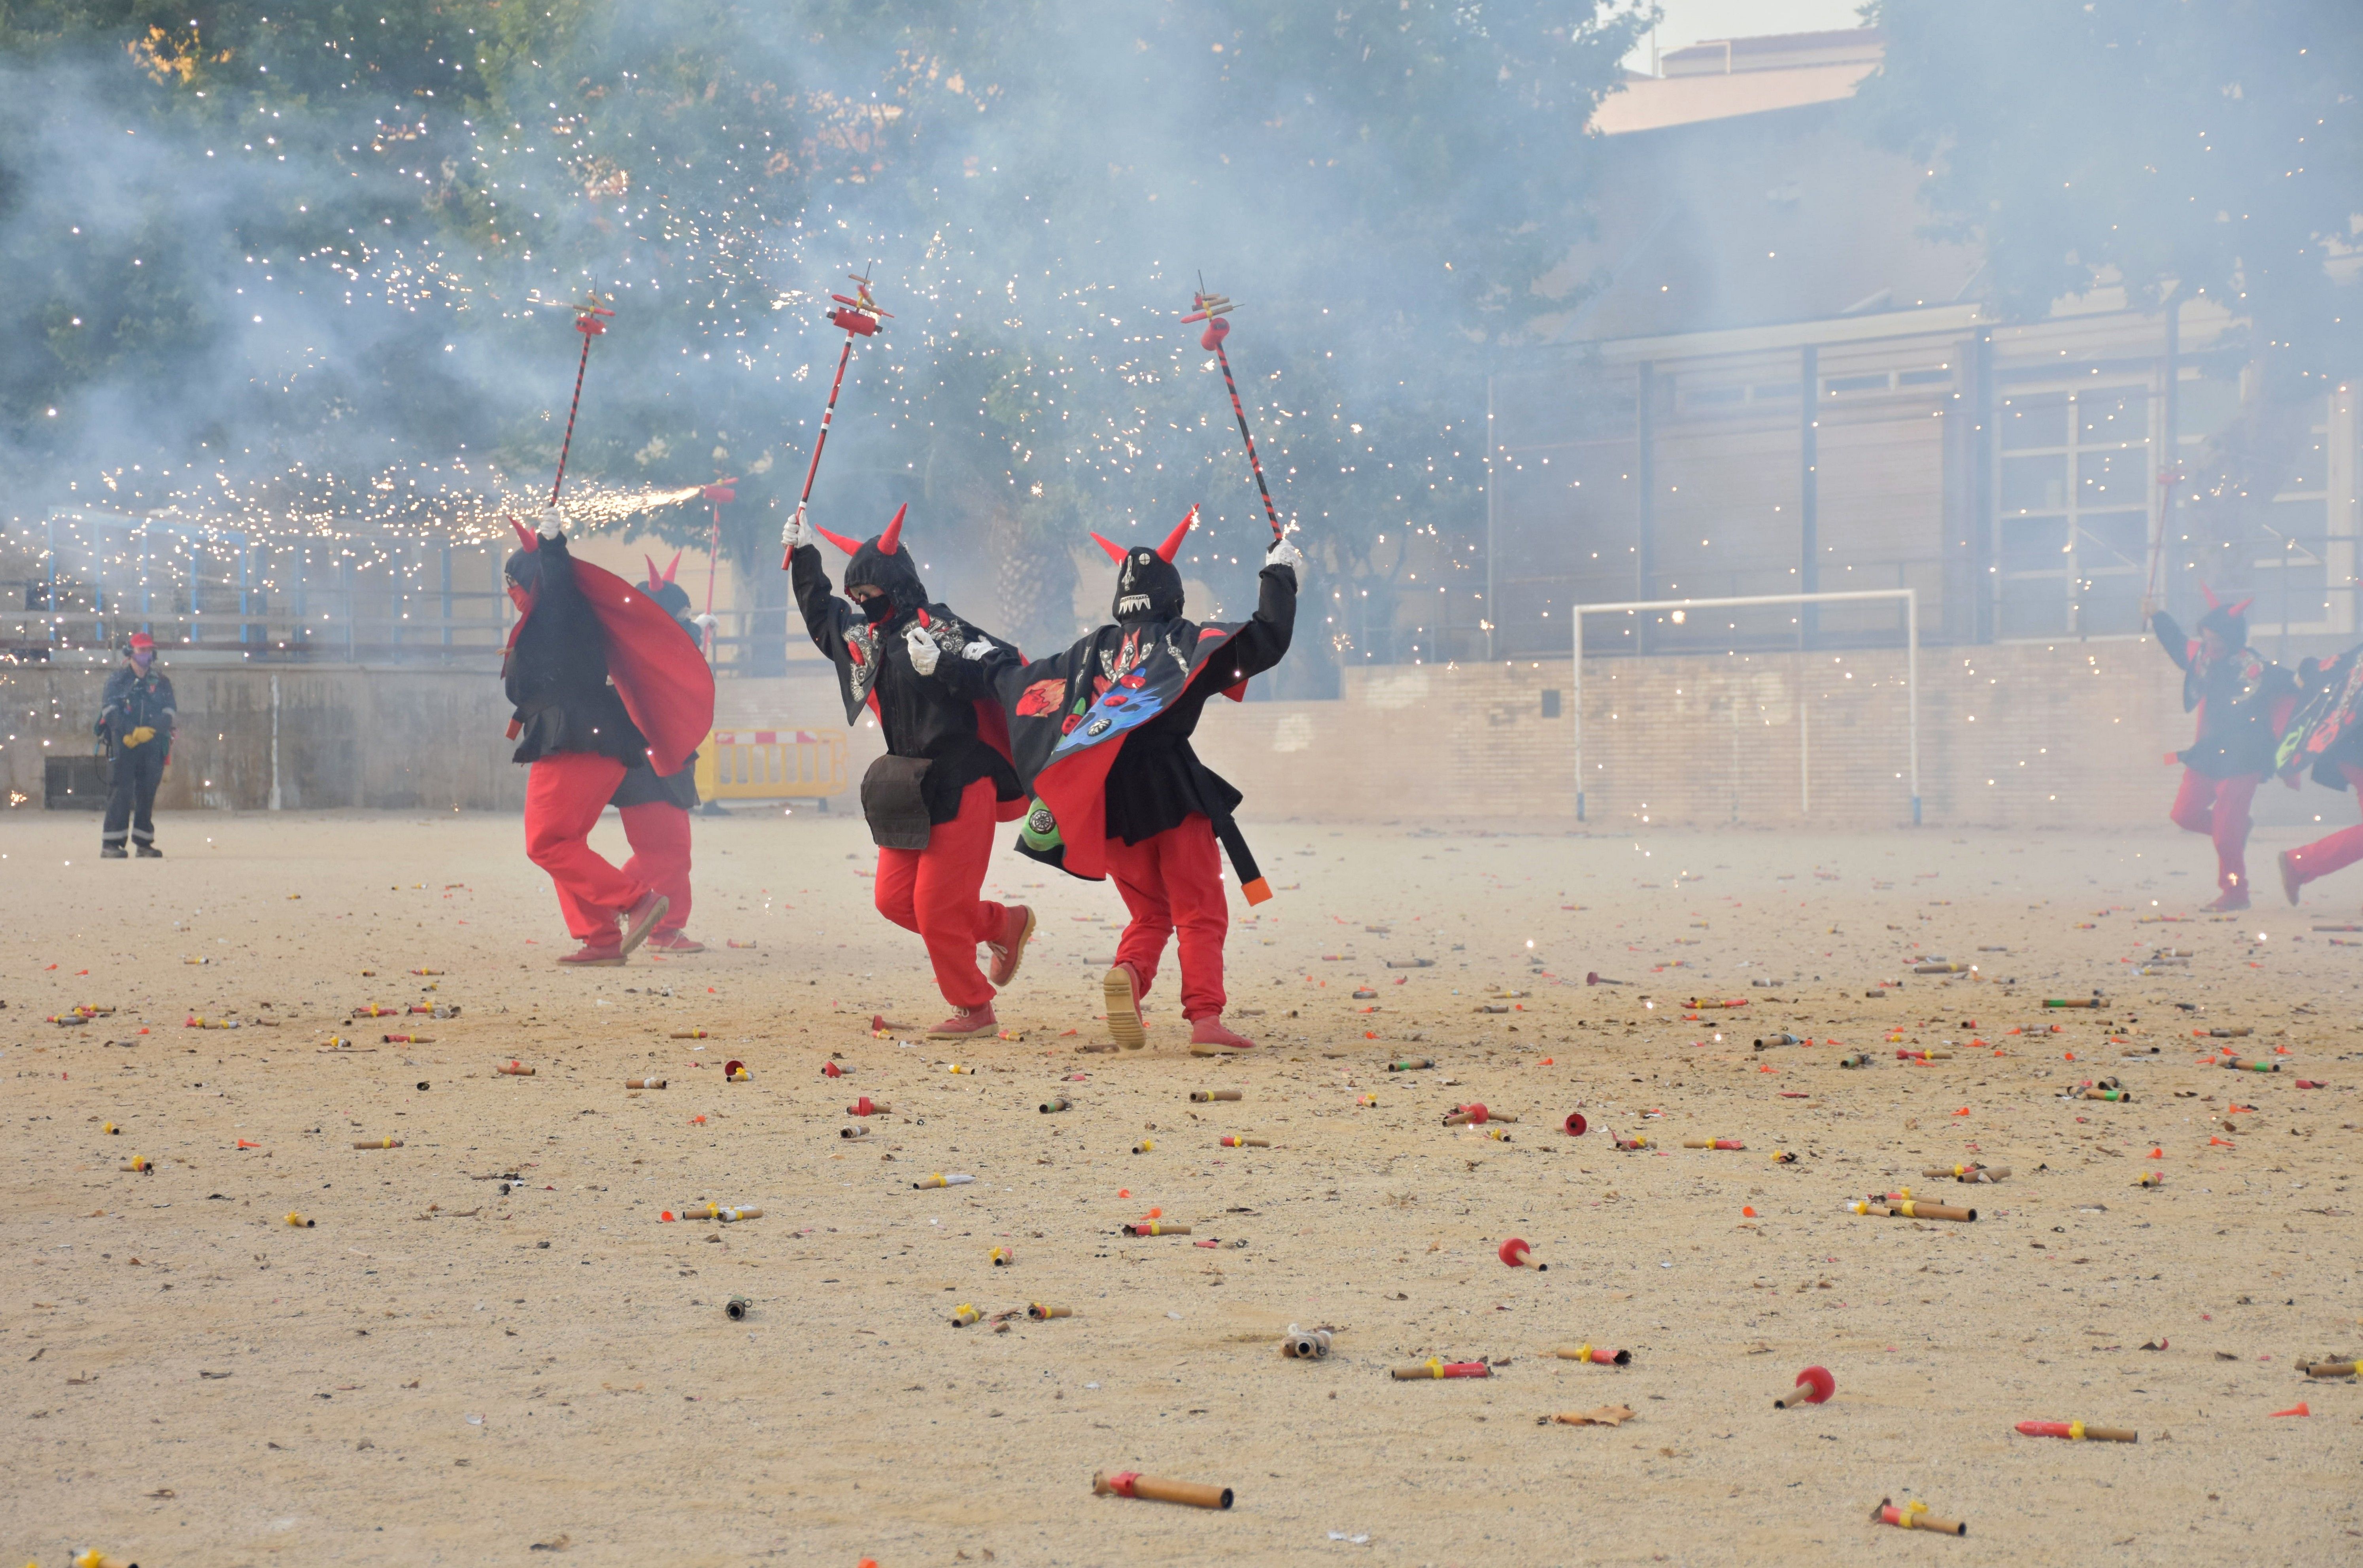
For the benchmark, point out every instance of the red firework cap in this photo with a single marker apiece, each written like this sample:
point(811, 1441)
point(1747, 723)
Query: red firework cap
point(1818, 1382)
point(1575, 1124)
point(1513, 1251)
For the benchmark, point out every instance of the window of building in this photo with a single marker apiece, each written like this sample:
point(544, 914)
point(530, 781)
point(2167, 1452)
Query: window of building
point(2072, 504)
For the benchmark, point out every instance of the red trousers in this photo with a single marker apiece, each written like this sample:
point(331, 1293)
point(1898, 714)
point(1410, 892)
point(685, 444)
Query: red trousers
point(1175, 882)
point(563, 797)
point(934, 891)
point(2337, 851)
point(2219, 808)
point(658, 832)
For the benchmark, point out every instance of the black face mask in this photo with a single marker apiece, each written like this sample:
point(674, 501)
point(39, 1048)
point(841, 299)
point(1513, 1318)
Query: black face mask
point(1147, 588)
point(878, 608)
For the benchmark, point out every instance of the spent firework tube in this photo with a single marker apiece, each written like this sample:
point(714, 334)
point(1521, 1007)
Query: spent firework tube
point(1943, 968)
point(1515, 1253)
point(644, 1082)
point(1042, 1312)
point(1155, 1228)
point(1701, 1005)
point(1132, 1484)
point(1411, 1064)
point(734, 1073)
point(1924, 1055)
point(2113, 1095)
point(1305, 1344)
point(2072, 1002)
point(865, 1106)
point(689, 1034)
point(374, 1011)
point(1814, 1386)
point(1146, 1146)
point(2242, 1064)
point(940, 1180)
point(138, 1163)
point(2239, 1032)
point(1713, 1143)
point(1913, 1208)
point(1769, 1040)
point(1231, 1140)
point(2077, 1431)
point(2329, 1369)
point(1969, 1173)
point(1003, 1256)
point(857, 1130)
point(1055, 1103)
point(741, 1211)
point(1858, 1059)
point(1629, 1141)
point(299, 1221)
point(377, 1142)
point(963, 1314)
point(1594, 1355)
point(405, 1039)
point(1914, 1516)
point(1437, 1366)
point(514, 1070)
point(1204, 1096)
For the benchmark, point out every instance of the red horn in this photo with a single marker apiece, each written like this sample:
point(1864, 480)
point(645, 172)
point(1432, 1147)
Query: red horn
point(2209, 593)
point(2242, 607)
point(847, 545)
point(526, 537)
point(891, 539)
point(1166, 552)
point(673, 568)
point(654, 580)
point(1114, 551)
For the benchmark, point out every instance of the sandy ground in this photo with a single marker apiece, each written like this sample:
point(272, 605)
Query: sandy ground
point(441, 1371)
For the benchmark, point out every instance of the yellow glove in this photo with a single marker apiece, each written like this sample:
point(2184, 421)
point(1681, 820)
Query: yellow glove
point(140, 737)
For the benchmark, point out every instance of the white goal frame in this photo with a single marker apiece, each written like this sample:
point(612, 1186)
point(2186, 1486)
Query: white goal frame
point(1911, 597)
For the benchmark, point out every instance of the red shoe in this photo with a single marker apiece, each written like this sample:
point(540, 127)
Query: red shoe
point(2290, 879)
point(642, 917)
point(1016, 930)
point(1209, 1030)
point(966, 1021)
point(590, 955)
point(1123, 986)
point(674, 941)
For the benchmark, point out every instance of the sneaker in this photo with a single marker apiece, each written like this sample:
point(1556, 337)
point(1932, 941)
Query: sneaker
point(1122, 984)
point(2233, 900)
point(967, 1021)
point(674, 941)
point(592, 956)
point(642, 917)
point(1009, 951)
point(151, 852)
point(2290, 880)
point(114, 852)
point(1209, 1030)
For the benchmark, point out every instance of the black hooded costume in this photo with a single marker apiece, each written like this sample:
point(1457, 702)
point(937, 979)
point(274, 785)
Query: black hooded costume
point(1101, 731)
point(643, 785)
point(2241, 698)
point(937, 742)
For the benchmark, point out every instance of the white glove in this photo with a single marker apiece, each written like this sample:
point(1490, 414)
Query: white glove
point(923, 650)
point(705, 622)
point(798, 531)
point(1283, 554)
point(552, 522)
point(977, 652)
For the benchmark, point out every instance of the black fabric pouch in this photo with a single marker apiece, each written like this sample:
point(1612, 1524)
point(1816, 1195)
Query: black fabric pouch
point(894, 803)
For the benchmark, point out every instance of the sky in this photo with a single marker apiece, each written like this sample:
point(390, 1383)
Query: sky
point(1690, 21)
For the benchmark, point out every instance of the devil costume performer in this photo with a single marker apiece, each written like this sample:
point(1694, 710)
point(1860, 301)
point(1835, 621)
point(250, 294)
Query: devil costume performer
point(655, 807)
point(2242, 702)
point(2323, 736)
point(1102, 734)
point(602, 680)
point(945, 779)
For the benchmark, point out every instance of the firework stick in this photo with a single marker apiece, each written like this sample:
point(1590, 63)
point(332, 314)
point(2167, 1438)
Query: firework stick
point(1210, 308)
point(587, 322)
point(827, 415)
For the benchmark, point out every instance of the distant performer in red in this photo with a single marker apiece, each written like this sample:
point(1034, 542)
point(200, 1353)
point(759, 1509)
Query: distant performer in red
point(1102, 739)
point(945, 779)
point(2324, 736)
point(655, 806)
point(2242, 702)
point(602, 680)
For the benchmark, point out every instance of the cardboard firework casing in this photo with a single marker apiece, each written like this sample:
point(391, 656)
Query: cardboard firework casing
point(1131, 1483)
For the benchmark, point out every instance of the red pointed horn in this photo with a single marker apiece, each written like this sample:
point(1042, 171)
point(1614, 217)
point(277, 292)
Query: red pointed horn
point(891, 539)
point(526, 537)
point(1114, 551)
point(655, 580)
point(1172, 544)
point(843, 543)
point(2209, 593)
point(2242, 607)
point(674, 567)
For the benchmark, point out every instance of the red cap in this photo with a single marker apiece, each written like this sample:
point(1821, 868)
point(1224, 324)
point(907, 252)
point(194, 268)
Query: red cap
point(141, 640)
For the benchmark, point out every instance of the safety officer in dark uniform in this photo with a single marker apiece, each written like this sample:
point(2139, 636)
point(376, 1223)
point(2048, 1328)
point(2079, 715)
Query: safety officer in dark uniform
point(135, 723)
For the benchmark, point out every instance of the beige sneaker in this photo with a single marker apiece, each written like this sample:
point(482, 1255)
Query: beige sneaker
point(1122, 987)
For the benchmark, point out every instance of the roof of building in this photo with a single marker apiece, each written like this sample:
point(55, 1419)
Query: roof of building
point(1730, 77)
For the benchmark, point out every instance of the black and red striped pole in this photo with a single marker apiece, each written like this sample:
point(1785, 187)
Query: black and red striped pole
point(861, 318)
point(1211, 308)
point(587, 321)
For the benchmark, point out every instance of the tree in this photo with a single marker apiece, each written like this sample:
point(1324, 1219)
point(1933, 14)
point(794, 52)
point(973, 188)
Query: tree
point(2207, 150)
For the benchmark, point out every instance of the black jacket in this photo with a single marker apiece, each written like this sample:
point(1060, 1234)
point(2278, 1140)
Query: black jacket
point(134, 701)
point(2242, 700)
point(556, 673)
point(920, 716)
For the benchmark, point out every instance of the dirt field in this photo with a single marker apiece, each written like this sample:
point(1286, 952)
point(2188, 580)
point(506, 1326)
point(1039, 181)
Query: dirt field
point(490, 1349)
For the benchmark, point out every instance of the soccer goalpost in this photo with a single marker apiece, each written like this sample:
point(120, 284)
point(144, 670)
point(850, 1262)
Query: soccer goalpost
point(1911, 597)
